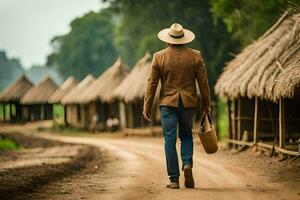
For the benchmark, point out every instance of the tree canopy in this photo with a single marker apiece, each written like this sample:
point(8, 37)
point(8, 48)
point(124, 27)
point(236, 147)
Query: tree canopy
point(247, 20)
point(10, 70)
point(87, 49)
point(140, 22)
point(129, 28)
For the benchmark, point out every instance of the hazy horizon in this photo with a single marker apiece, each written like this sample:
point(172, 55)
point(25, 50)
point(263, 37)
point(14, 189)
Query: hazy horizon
point(27, 27)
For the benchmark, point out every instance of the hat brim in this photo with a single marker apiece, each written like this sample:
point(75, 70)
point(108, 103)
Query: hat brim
point(164, 36)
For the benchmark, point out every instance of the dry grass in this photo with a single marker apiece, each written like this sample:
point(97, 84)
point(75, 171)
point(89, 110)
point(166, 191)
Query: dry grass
point(14, 92)
point(103, 86)
point(40, 93)
point(133, 86)
point(65, 88)
point(74, 95)
point(266, 67)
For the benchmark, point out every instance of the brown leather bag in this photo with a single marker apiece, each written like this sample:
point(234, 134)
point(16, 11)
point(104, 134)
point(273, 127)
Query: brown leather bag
point(207, 135)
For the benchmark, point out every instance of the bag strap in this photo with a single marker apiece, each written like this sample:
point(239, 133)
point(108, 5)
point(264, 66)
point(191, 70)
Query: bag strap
point(205, 115)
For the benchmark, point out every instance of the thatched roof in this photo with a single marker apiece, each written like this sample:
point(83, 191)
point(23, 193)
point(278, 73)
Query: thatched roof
point(267, 68)
point(133, 86)
point(15, 91)
point(74, 95)
point(107, 82)
point(40, 93)
point(65, 88)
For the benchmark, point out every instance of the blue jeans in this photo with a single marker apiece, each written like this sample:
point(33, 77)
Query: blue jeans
point(170, 117)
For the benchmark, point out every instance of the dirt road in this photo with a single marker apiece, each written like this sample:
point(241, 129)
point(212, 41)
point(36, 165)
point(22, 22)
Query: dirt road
point(135, 169)
point(139, 173)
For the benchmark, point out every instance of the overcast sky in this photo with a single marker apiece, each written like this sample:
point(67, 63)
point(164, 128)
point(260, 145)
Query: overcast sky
point(27, 26)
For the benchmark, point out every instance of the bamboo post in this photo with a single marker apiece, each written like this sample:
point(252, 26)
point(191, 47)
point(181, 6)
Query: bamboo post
point(4, 112)
point(256, 120)
point(65, 115)
point(234, 121)
point(239, 119)
point(42, 112)
point(10, 112)
point(281, 123)
point(122, 115)
point(130, 116)
point(229, 120)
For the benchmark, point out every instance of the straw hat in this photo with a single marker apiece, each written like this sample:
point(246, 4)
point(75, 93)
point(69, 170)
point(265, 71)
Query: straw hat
point(176, 34)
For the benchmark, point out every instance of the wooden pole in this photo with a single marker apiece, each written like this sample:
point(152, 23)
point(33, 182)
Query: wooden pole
point(10, 112)
point(234, 120)
point(239, 119)
point(130, 116)
point(42, 112)
point(281, 123)
point(229, 120)
point(122, 115)
point(65, 115)
point(4, 112)
point(256, 120)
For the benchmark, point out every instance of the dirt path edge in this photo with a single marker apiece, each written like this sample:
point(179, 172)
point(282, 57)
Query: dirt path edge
point(17, 182)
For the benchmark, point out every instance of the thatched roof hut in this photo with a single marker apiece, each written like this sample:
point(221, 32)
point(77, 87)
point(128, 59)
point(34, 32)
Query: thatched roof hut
point(64, 89)
point(74, 95)
point(103, 86)
point(40, 93)
point(14, 92)
point(269, 67)
point(133, 86)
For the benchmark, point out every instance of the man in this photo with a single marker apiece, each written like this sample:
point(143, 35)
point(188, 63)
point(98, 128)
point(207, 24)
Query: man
point(178, 68)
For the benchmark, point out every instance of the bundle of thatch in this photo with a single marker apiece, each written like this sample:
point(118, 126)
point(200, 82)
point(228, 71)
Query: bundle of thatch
point(269, 67)
point(40, 93)
point(103, 86)
point(15, 92)
point(133, 86)
point(74, 95)
point(64, 89)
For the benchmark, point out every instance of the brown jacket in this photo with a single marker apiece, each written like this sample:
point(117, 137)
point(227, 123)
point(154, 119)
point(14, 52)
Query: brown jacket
point(178, 68)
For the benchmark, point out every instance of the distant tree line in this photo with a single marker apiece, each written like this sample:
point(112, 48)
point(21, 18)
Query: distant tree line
point(129, 28)
point(10, 70)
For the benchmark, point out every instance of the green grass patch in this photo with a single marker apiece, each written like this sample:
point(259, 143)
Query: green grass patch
point(7, 111)
point(58, 112)
point(222, 119)
point(7, 144)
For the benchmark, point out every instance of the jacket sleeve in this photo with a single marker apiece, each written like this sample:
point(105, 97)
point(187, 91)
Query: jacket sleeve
point(201, 76)
point(151, 85)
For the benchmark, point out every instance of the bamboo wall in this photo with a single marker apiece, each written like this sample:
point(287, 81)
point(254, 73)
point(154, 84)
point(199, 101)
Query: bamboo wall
point(262, 121)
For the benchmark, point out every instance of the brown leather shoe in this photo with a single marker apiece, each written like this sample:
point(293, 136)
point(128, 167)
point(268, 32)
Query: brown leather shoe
point(173, 185)
point(188, 175)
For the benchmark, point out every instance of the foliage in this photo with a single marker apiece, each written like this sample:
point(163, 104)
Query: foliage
point(58, 112)
point(10, 70)
point(7, 111)
point(87, 49)
point(247, 20)
point(7, 144)
point(140, 22)
point(222, 119)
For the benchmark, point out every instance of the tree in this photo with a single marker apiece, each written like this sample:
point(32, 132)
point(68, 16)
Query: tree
point(10, 70)
point(249, 19)
point(141, 21)
point(87, 48)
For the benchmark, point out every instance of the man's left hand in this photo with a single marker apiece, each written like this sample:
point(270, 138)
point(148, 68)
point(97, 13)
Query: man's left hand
point(147, 115)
